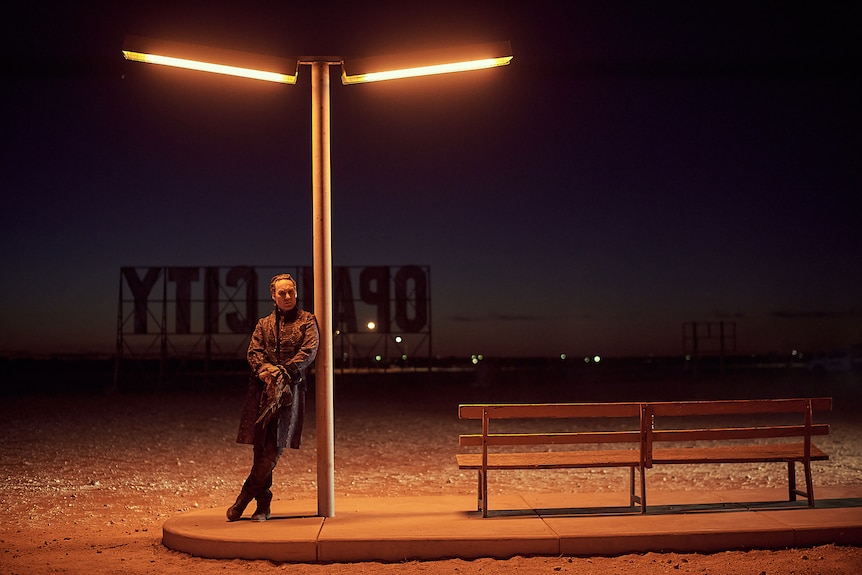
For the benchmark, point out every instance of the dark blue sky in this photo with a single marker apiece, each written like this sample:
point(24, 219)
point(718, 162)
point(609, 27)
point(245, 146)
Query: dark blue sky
point(637, 166)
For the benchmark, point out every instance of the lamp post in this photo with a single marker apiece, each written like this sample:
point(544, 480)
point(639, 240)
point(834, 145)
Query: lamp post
point(284, 70)
point(322, 234)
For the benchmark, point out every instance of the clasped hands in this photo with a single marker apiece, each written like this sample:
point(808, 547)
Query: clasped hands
point(277, 378)
point(269, 373)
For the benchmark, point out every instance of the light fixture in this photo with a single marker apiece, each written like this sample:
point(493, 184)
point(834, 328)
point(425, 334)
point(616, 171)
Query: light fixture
point(206, 59)
point(410, 65)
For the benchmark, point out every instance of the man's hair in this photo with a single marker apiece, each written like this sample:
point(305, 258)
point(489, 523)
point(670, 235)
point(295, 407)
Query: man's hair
point(278, 278)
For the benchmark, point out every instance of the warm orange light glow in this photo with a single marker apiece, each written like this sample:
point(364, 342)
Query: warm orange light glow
point(425, 70)
point(210, 67)
point(205, 59)
point(460, 59)
point(285, 71)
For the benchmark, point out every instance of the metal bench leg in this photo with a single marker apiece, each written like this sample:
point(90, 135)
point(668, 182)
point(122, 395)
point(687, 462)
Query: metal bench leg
point(481, 488)
point(809, 487)
point(808, 492)
point(791, 479)
point(641, 498)
point(643, 490)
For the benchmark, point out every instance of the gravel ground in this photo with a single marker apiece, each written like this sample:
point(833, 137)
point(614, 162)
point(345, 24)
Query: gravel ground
point(89, 478)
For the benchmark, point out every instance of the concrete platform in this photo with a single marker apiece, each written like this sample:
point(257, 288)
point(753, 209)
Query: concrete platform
point(426, 528)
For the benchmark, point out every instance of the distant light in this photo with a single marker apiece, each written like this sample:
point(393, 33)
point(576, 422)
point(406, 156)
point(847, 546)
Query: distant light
point(403, 357)
point(587, 359)
point(563, 356)
point(597, 358)
point(398, 339)
point(371, 325)
point(378, 358)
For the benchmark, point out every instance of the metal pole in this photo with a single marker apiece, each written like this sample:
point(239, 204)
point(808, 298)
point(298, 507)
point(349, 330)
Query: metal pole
point(119, 350)
point(322, 215)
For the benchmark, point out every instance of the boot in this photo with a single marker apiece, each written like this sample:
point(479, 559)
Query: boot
point(235, 511)
point(262, 512)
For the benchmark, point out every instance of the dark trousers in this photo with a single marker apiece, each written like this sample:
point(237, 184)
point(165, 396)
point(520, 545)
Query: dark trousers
point(266, 455)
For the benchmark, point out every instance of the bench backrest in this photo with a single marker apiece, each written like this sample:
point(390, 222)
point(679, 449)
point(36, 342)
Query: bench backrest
point(740, 406)
point(548, 410)
point(485, 413)
point(665, 424)
point(649, 422)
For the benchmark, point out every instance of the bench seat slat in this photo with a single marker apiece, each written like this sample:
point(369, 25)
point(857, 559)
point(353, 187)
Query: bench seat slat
point(475, 439)
point(552, 459)
point(735, 454)
point(728, 433)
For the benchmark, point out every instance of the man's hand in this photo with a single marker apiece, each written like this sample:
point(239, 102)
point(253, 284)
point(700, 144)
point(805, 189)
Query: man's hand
point(276, 392)
point(268, 373)
point(293, 373)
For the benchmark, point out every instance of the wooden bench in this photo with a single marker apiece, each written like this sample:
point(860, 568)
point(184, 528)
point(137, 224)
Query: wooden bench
point(657, 433)
point(614, 440)
point(673, 439)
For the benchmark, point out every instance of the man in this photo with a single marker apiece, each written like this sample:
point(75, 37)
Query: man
point(283, 345)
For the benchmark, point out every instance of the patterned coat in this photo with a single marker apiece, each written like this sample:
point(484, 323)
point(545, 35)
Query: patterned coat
point(296, 343)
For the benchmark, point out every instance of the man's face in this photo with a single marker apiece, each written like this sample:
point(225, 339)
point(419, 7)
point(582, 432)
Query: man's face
point(284, 295)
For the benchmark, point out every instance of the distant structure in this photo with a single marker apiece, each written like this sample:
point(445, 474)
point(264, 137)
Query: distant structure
point(196, 321)
point(709, 338)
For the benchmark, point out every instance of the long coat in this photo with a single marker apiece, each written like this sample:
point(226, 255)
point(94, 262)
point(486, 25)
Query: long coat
point(279, 339)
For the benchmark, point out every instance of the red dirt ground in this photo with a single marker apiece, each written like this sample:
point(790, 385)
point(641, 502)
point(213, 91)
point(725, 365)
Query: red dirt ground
point(89, 479)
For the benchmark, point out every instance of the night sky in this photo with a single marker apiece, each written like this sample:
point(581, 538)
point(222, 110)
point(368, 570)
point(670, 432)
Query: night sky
point(638, 166)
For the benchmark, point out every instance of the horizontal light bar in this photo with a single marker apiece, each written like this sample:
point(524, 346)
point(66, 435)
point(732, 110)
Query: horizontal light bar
point(208, 67)
point(217, 61)
point(425, 70)
point(461, 59)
